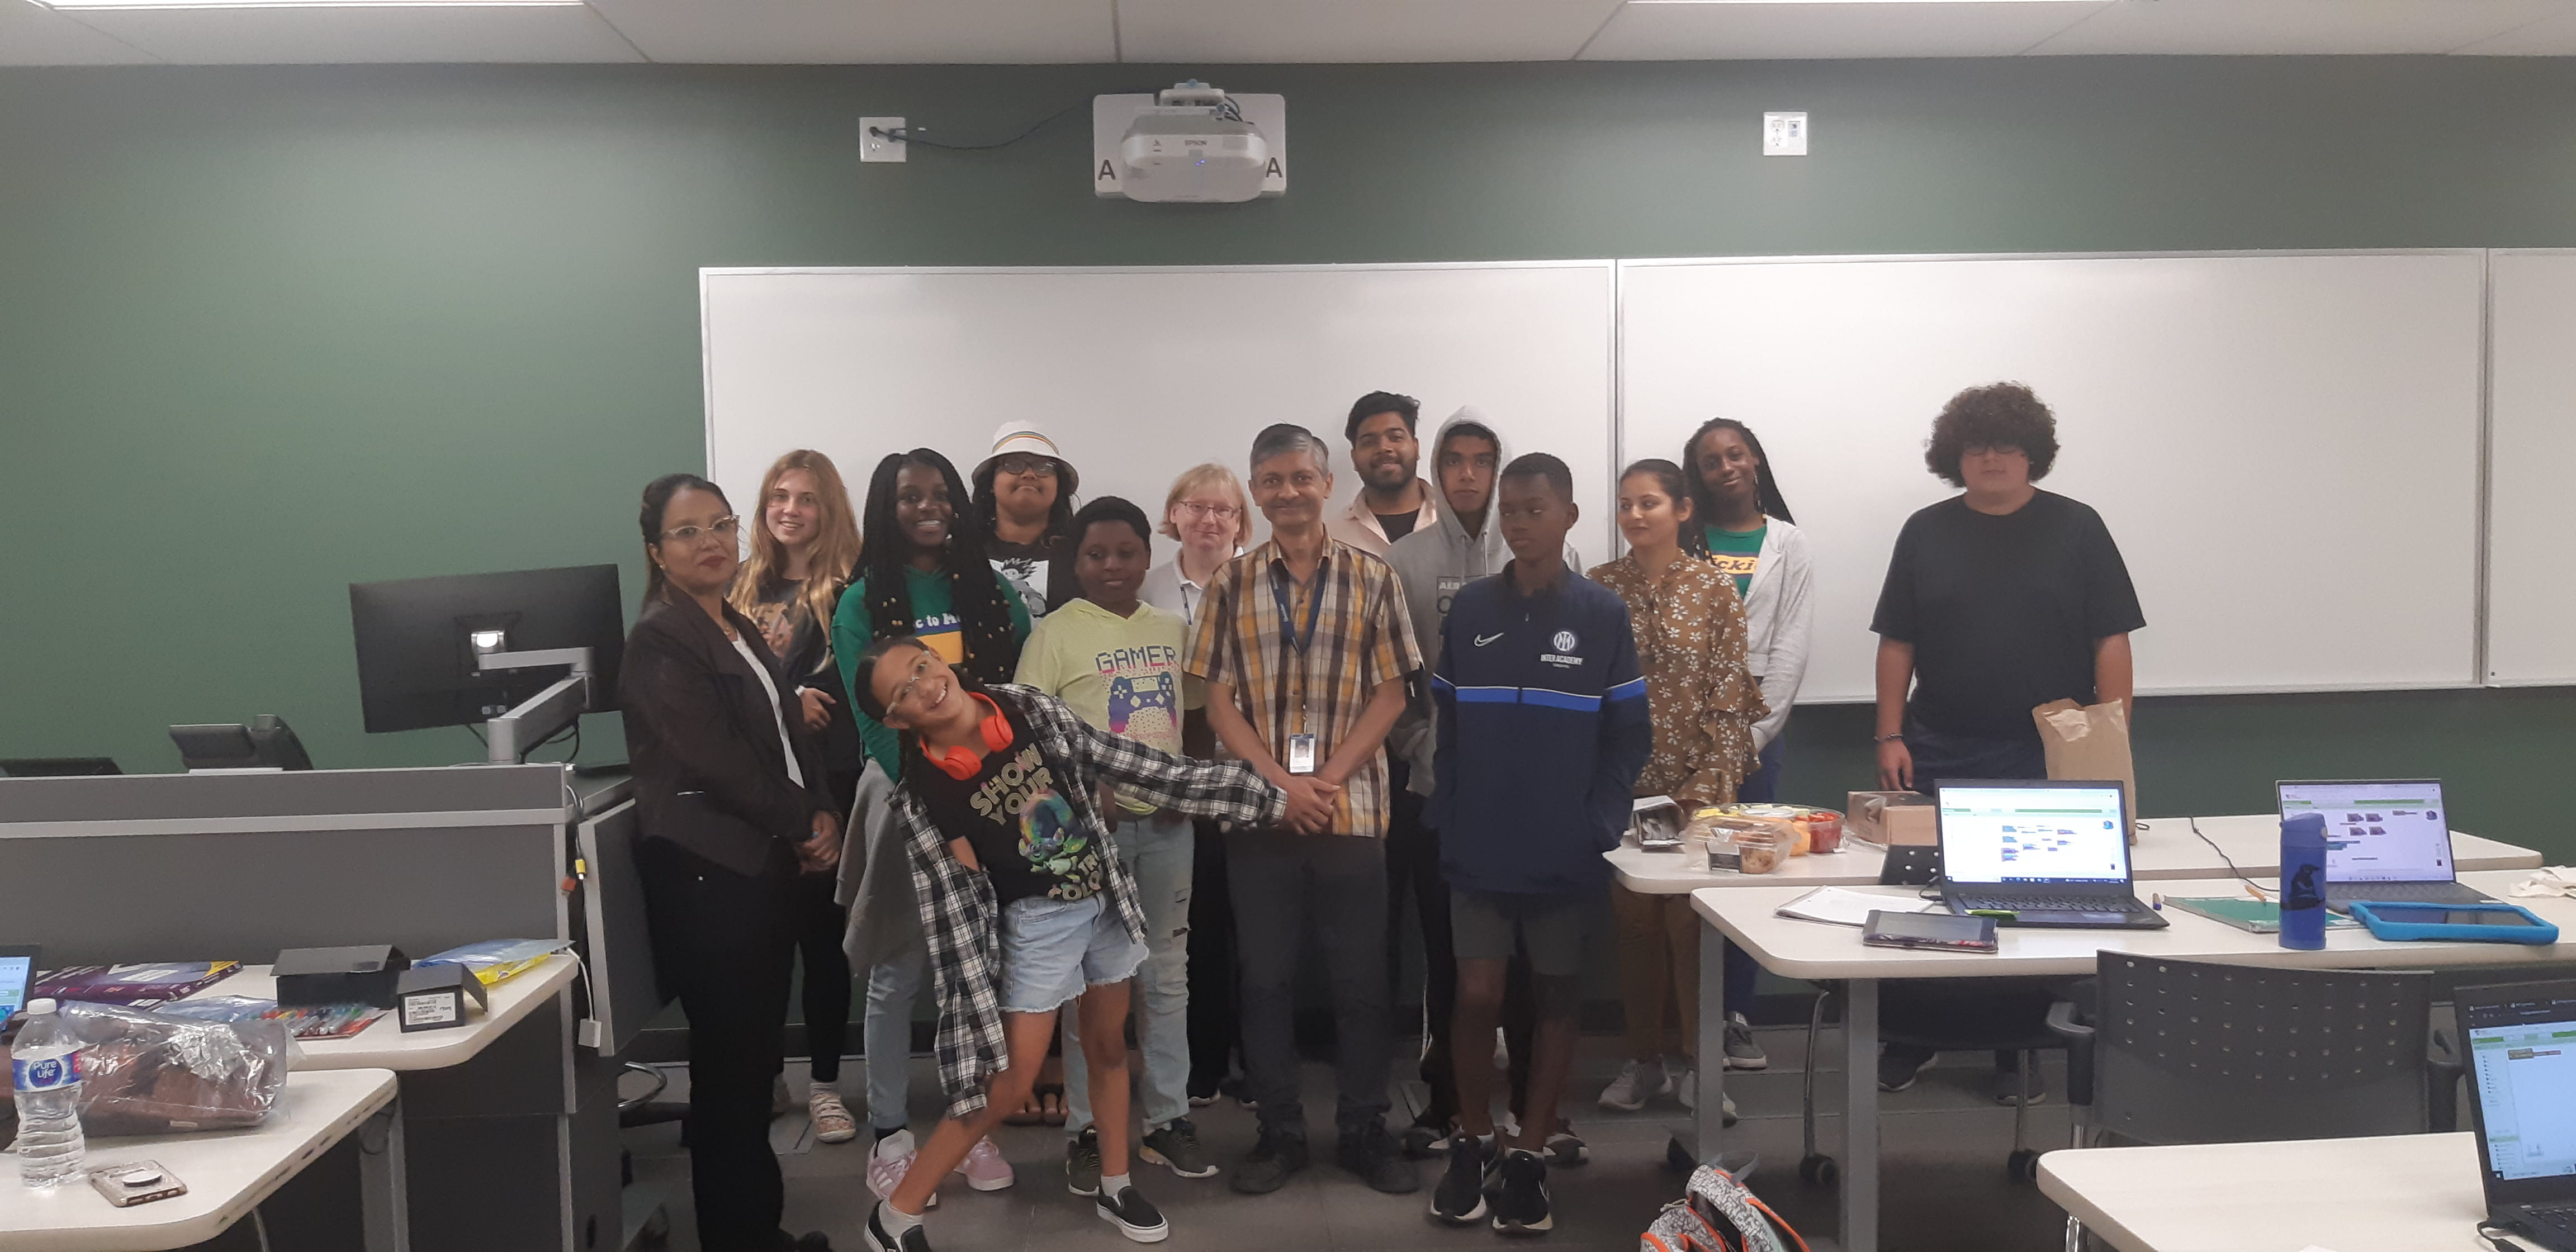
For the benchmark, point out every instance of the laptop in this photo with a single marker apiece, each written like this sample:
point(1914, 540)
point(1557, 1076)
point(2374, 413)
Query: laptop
point(2385, 840)
point(2051, 853)
point(17, 973)
point(2522, 1086)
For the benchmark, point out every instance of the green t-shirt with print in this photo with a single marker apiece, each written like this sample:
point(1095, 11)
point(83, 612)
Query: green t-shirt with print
point(1737, 552)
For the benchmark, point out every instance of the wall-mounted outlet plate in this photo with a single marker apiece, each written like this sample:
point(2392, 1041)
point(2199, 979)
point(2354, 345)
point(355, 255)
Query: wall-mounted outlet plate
point(874, 146)
point(1783, 134)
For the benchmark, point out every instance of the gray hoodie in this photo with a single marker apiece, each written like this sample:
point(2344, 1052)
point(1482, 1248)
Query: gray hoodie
point(1434, 562)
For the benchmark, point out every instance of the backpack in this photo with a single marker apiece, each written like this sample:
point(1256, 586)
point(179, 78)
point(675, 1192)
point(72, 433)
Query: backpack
point(1718, 1214)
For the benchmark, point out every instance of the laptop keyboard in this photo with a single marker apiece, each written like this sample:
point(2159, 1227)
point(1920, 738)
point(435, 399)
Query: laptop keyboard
point(2406, 892)
point(2047, 904)
point(2560, 1217)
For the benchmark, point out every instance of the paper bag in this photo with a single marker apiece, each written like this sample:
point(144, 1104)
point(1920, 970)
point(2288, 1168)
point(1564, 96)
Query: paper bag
point(2090, 742)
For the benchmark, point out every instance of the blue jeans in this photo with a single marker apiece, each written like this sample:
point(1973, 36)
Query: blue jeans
point(1159, 852)
point(886, 1035)
point(1762, 786)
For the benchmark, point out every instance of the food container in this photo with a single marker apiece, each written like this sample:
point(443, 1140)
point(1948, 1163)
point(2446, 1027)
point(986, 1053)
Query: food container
point(1824, 831)
point(1749, 845)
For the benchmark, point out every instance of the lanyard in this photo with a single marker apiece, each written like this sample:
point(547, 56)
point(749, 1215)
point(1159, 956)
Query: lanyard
point(1288, 630)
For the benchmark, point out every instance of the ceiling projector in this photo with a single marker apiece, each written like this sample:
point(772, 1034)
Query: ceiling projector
point(1193, 145)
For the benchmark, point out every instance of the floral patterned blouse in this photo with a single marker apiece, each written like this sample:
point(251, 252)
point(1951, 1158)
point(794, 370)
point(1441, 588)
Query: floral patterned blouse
point(1689, 627)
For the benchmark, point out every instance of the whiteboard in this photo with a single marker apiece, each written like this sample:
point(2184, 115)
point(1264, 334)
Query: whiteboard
point(2285, 445)
point(1138, 374)
point(2531, 599)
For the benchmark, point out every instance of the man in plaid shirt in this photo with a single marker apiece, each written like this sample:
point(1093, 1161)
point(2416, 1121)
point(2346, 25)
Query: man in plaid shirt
point(1024, 902)
point(1305, 644)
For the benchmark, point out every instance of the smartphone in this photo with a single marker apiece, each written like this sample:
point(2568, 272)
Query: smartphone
point(1928, 930)
point(139, 1183)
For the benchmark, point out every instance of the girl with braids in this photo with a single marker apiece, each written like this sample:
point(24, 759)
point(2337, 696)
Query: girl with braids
point(920, 576)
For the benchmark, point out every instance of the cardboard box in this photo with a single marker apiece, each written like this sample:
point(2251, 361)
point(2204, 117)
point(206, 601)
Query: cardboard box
point(1891, 818)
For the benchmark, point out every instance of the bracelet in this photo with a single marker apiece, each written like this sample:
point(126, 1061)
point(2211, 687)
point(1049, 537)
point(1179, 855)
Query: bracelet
point(1898, 737)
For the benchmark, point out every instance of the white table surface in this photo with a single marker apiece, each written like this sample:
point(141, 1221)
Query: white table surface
point(228, 1172)
point(383, 1045)
point(2401, 1193)
point(2166, 849)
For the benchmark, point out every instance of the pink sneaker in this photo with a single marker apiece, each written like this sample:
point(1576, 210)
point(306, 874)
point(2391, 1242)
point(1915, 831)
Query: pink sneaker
point(888, 1163)
point(984, 1167)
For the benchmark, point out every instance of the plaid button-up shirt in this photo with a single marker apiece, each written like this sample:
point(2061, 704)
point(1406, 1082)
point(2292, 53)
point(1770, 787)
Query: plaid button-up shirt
point(958, 916)
point(1362, 637)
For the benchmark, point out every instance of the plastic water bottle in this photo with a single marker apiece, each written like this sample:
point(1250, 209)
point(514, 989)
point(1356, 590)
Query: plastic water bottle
point(2303, 881)
point(44, 1068)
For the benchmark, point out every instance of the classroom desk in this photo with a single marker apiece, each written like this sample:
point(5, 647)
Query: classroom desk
point(1812, 950)
point(2399, 1193)
point(228, 1174)
point(2166, 849)
point(383, 1045)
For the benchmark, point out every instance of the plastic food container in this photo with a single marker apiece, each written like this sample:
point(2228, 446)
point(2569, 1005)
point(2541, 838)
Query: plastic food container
point(1824, 831)
point(1749, 845)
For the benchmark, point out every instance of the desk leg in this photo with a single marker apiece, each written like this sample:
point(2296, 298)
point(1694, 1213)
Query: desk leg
point(1860, 1115)
point(383, 1184)
point(1710, 1073)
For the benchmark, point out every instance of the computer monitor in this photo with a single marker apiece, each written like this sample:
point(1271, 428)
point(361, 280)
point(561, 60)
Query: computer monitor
point(17, 973)
point(2378, 830)
point(417, 644)
point(2034, 832)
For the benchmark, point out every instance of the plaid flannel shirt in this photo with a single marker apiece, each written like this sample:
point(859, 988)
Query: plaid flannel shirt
point(958, 916)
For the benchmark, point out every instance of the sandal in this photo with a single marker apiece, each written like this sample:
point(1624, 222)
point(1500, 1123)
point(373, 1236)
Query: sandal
point(1053, 1100)
point(830, 1117)
point(1032, 1112)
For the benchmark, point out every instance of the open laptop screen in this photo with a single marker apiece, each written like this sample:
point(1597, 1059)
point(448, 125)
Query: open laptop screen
point(2033, 833)
point(2378, 831)
point(17, 969)
point(2524, 1057)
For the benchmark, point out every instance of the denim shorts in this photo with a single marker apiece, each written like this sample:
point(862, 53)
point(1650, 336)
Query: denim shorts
point(1052, 949)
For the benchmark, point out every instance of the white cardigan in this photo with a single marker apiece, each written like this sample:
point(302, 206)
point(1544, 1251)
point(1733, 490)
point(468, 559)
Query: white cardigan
point(1779, 609)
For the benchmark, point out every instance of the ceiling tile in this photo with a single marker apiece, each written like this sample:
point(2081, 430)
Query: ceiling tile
point(1691, 32)
point(1283, 31)
point(2549, 37)
point(829, 32)
point(358, 34)
point(2294, 27)
point(31, 34)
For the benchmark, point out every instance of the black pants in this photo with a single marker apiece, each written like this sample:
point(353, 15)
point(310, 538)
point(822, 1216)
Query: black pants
point(725, 944)
point(1936, 1009)
point(1214, 1033)
point(1285, 887)
point(1413, 875)
point(820, 927)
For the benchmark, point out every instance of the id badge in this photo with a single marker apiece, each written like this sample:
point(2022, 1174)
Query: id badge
point(1301, 754)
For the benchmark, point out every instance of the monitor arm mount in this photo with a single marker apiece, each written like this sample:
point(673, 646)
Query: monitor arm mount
point(512, 735)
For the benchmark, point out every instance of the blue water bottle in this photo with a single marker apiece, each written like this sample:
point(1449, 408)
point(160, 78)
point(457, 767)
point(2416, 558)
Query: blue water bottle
point(2303, 881)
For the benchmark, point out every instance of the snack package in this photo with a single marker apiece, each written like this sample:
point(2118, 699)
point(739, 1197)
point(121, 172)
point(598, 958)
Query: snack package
point(146, 1073)
point(1751, 845)
point(496, 961)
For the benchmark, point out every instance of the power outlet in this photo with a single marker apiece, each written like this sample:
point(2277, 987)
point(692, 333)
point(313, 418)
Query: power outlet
point(877, 146)
point(1784, 134)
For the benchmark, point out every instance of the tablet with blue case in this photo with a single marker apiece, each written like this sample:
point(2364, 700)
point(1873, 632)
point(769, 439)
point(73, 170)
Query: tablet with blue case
point(2454, 923)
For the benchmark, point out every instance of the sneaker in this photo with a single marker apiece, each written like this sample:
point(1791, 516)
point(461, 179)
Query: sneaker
point(1897, 1071)
point(1372, 1155)
point(1726, 1110)
point(984, 1168)
point(1520, 1196)
point(1685, 1085)
point(1459, 1200)
point(1274, 1160)
point(1082, 1162)
point(1134, 1215)
point(915, 1239)
point(1423, 1140)
point(1638, 1082)
point(1176, 1147)
point(888, 1162)
point(831, 1118)
point(2008, 1087)
point(1565, 1148)
point(1741, 1051)
point(1198, 1101)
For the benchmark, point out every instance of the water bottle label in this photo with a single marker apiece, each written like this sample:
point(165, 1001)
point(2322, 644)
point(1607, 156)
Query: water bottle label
point(46, 1073)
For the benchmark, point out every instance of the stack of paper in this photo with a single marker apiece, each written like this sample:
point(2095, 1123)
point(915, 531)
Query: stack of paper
point(1851, 908)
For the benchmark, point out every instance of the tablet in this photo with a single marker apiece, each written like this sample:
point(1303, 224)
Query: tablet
point(1928, 930)
point(2457, 923)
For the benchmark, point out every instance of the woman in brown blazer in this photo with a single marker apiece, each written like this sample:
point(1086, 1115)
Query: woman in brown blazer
point(733, 804)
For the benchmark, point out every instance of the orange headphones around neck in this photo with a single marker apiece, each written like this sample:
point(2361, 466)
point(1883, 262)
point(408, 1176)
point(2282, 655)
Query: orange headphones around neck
point(960, 764)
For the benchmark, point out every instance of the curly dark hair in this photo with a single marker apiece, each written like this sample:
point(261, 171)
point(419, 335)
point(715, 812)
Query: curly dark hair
point(1997, 415)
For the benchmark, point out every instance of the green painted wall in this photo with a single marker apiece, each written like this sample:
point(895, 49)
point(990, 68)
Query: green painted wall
point(264, 332)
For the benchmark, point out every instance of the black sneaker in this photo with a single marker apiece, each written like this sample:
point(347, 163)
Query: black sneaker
point(1520, 1198)
point(1565, 1148)
point(1082, 1162)
point(1133, 1215)
point(1459, 1200)
point(1897, 1070)
point(1177, 1146)
point(1423, 1139)
point(1372, 1155)
point(2008, 1086)
point(916, 1239)
point(1274, 1160)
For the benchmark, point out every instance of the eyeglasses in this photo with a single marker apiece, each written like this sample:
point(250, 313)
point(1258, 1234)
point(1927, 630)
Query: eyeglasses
point(722, 531)
point(1042, 466)
point(1221, 512)
point(903, 694)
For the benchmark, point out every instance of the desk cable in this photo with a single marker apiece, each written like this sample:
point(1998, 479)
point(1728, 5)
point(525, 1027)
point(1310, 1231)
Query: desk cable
point(2493, 1236)
point(2260, 891)
point(259, 1222)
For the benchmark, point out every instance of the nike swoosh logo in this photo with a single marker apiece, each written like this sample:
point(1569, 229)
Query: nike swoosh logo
point(1482, 640)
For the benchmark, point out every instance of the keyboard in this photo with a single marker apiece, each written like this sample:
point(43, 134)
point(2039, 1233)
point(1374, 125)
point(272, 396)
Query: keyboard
point(2556, 1217)
point(2055, 904)
point(2407, 892)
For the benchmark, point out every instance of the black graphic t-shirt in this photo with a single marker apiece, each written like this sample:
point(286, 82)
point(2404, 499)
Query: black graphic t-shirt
point(1014, 814)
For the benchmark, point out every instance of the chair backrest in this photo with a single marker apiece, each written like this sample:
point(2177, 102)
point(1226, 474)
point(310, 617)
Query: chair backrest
point(2189, 1052)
